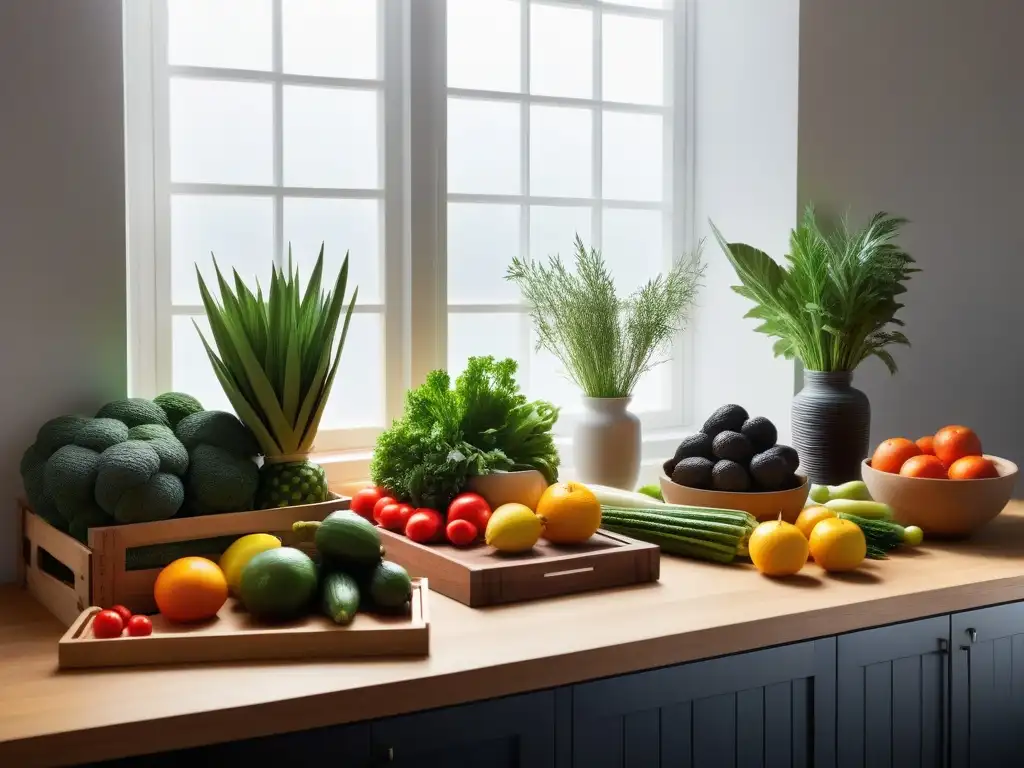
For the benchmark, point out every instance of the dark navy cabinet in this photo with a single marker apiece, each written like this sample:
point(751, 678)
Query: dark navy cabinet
point(773, 709)
point(987, 723)
point(892, 696)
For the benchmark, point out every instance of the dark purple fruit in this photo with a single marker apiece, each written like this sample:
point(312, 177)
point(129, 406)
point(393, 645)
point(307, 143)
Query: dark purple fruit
point(733, 446)
point(760, 432)
point(728, 417)
point(694, 472)
point(729, 476)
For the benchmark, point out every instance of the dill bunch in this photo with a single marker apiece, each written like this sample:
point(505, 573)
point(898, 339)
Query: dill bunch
point(605, 343)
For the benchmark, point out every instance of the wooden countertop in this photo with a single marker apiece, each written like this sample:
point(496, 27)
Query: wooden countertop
point(696, 611)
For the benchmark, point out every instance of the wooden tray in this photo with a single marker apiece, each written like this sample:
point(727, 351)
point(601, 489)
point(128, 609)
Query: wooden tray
point(97, 574)
point(233, 636)
point(479, 576)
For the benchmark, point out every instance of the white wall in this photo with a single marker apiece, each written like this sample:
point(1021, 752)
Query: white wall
point(746, 80)
point(917, 107)
point(62, 224)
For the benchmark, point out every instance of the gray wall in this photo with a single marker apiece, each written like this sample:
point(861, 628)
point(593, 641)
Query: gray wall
point(917, 107)
point(62, 224)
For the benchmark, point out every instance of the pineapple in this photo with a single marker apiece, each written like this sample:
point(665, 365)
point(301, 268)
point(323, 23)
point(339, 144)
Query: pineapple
point(276, 361)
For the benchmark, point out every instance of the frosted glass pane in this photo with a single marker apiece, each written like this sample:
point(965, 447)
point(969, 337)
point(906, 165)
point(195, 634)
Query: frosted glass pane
point(482, 241)
point(357, 397)
point(330, 38)
point(633, 59)
point(632, 156)
point(221, 132)
point(561, 51)
point(330, 138)
point(642, 3)
point(561, 161)
point(652, 391)
point(191, 370)
point(483, 147)
point(548, 381)
point(238, 230)
point(236, 34)
point(633, 247)
point(484, 44)
point(553, 230)
point(340, 225)
point(474, 333)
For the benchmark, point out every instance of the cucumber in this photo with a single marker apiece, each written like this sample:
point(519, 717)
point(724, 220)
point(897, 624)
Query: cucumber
point(347, 537)
point(707, 534)
point(870, 510)
point(340, 597)
point(390, 585)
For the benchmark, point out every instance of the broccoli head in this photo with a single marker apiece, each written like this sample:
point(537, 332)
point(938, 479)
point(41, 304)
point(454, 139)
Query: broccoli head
point(133, 411)
point(177, 405)
point(87, 518)
point(220, 481)
point(131, 487)
point(217, 428)
point(58, 432)
point(173, 456)
point(70, 478)
point(100, 434)
point(33, 477)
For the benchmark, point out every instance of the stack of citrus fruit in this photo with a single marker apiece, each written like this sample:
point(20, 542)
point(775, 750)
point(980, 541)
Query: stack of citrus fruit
point(779, 549)
point(952, 453)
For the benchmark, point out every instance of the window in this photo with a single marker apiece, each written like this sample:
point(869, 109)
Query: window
point(434, 140)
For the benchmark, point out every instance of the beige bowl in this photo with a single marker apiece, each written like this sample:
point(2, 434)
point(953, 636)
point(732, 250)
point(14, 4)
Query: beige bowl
point(764, 505)
point(524, 487)
point(943, 508)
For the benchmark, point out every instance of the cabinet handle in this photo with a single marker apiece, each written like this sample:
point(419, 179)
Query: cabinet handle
point(943, 646)
point(973, 634)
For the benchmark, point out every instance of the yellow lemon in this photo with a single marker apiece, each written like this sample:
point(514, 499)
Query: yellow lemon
point(811, 516)
point(571, 513)
point(241, 551)
point(777, 548)
point(513, 528)
point(838, 545)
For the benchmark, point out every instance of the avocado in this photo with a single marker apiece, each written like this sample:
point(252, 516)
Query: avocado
point(390, 585)
point(729, 417)
point(694, 472)
point(760, 432)
point(729, 476)
point(278, 584)
point(698, 444)
point(668, 466)
point(733, 446)
point(769, 470)
point(789, 454)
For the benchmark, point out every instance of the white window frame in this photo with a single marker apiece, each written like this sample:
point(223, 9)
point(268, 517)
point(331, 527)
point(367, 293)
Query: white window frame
point(414, 194)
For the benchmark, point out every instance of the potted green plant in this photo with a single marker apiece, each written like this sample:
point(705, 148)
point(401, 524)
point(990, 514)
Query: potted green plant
point(276, 359)
point(833, 306)
point(605, 344)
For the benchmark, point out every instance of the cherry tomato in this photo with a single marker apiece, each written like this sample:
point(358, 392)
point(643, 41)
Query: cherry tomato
point(472, 507)
point(390, 517)
point(140, 626)
point(107, 624)
point(424, 525)
point(404, 513)
point(461, 533)
point(382, 502)
point(364, 501)
point(123, 612)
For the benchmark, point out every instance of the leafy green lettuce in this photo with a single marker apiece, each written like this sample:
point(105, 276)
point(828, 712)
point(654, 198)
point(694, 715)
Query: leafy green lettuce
point(446, 435)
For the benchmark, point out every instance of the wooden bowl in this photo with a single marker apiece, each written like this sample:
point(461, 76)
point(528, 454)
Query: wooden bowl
point(762, 505)
point(943, 508)
point(523, 487)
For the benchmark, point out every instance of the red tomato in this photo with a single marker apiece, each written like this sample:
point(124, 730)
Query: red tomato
point(140, 626)
point(404, 513)
point(382, 502)
point(107, 624)
point(364, 501)
point(461, 533)
point(123, 612)
point(423, 526)
point(390, 517)
point(472, 507)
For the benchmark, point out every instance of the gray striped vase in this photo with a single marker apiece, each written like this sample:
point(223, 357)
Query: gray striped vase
point(831, 421)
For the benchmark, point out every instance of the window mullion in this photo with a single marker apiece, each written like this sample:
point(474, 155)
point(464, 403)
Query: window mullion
point(524, 176)
point(597, 141)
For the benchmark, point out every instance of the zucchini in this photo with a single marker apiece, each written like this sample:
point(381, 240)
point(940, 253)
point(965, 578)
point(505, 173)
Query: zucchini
point(871, 510)
point(340, 598)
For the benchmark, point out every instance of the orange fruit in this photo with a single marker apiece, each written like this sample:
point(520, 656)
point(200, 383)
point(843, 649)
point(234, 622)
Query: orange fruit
point(190, 589)
point(955, 442)
point(838, 545)
point(925, 444)
point(810, 517)
point(571, 513)
point(890, 454)
point(924, 466)
point(777, 548)
point(972, 468)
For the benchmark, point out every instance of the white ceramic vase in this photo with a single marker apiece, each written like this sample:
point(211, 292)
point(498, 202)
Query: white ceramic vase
point(606, 443)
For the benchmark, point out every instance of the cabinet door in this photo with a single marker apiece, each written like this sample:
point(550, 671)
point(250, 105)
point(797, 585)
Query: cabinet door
point(771, 709)
point(893, 695)
point(513, 732)
point(988, 687)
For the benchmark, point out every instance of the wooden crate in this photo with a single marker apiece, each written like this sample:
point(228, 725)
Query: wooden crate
point(234, 636)
point(96, 574)
point(479, 576)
